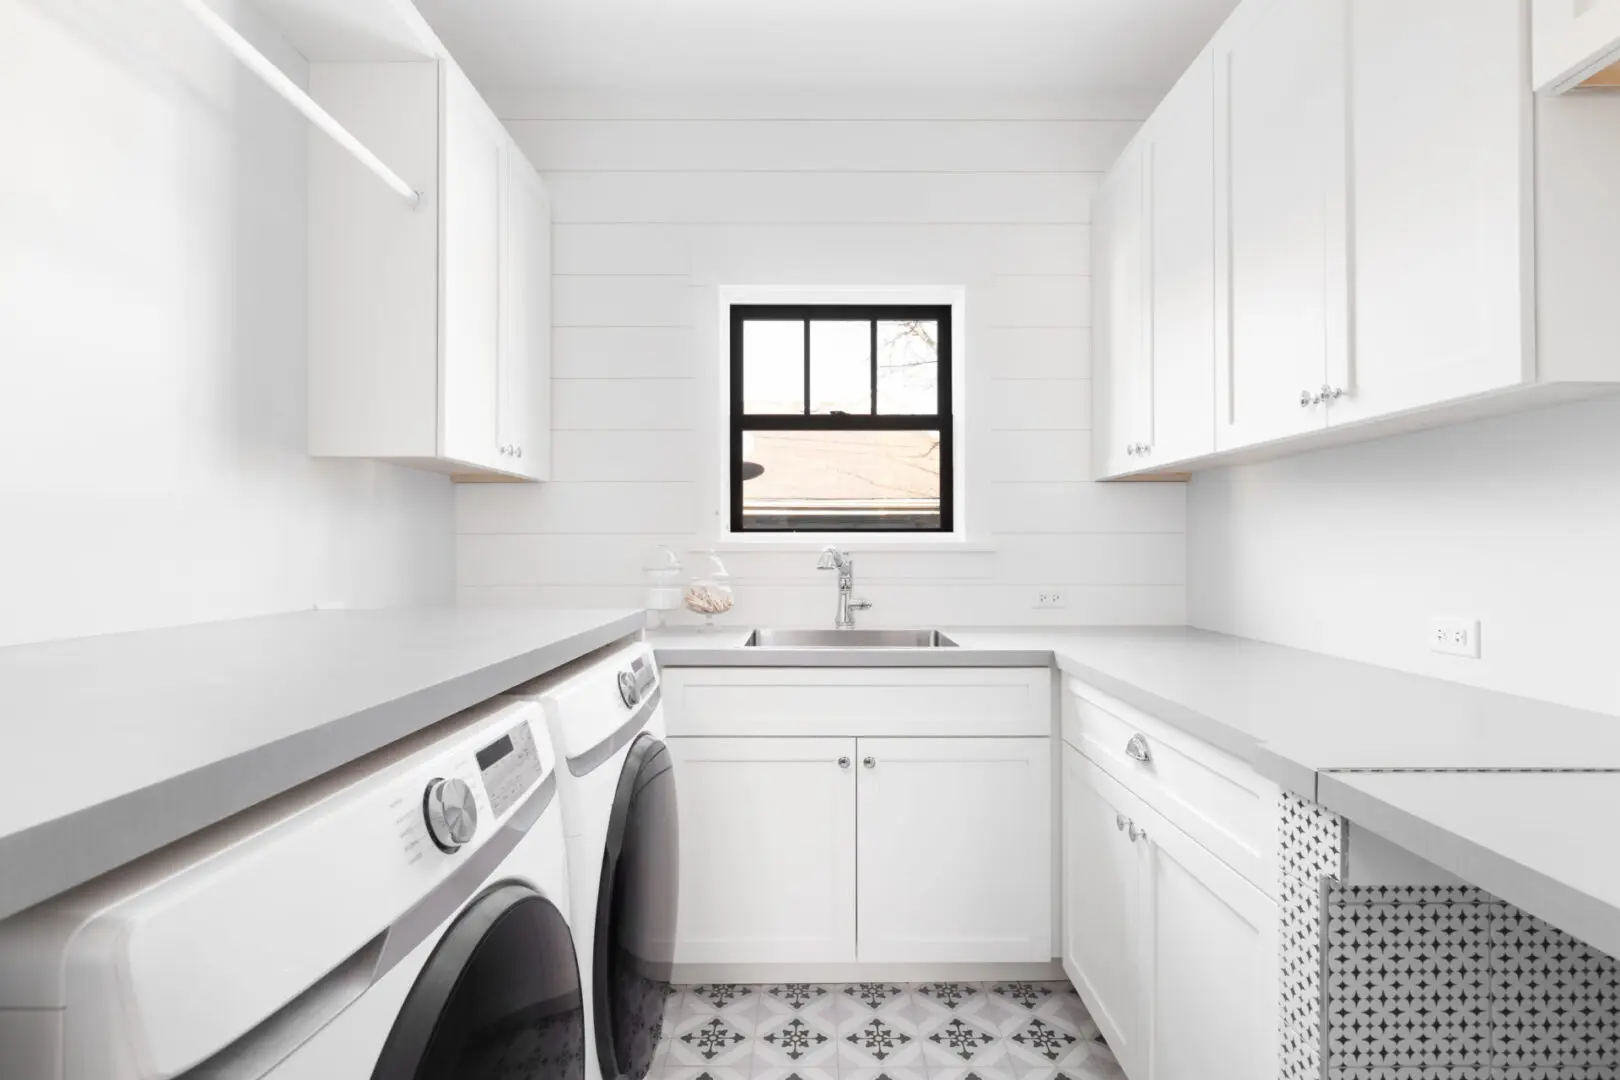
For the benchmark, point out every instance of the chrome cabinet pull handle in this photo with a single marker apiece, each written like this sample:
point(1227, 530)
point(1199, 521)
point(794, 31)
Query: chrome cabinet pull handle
point(1120, 821)
point(843, 763)
point(1137, 750)
point(1135, 833)
point(869, 762)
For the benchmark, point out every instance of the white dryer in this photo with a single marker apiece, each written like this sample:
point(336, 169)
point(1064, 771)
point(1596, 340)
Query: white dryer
point(617, 790)
point(403, 917)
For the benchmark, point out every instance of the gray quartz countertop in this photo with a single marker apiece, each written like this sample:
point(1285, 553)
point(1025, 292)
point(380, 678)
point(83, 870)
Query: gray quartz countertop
point(1293, 714)
point(117, 745)
point(1541, 840)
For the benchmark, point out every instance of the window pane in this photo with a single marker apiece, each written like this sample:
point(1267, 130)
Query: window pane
point(773, 367)
point(908, 367)
point(841, 480)
point(841, 367)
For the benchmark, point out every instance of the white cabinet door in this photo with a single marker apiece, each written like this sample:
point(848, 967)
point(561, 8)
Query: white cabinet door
point(1209, 960)
point(1282, 296)
point(1180, 205)
point(525, 349)
point(767, 833)
point(1121, 357)
point(1101, 891)
point(473, 168)
point(1442, 254)
point(1573, 40)
point(955, 850)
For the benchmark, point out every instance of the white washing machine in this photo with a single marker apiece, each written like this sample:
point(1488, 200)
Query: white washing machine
point(617, 791)
point(403, 917)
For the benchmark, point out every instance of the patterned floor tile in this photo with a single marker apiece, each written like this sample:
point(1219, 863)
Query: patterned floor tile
point(870, 997)
point(815, 1002)
point(703, 1073)
point(796, 1041)
point(875, 1041)
point(961, 1043)
point(1001, 1011)
point(902, 1073)
point(736, 1003)
point(1045, 1044)
point(776, 1072)
point(710, 1042)
point(972, 1072)
point(1093, 1067)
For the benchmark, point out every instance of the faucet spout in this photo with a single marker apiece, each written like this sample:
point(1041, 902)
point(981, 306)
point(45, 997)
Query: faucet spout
point(833, 559)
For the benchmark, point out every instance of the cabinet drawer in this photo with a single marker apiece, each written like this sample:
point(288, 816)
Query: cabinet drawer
point(1218, 800)
point(858, 701)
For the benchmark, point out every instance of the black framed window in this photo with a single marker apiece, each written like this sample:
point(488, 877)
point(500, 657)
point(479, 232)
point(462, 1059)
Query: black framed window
point(841, 418)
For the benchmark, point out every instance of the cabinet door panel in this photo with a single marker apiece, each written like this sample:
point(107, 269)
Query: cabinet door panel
point(470, 267)
point(1281, 224)
point(955, 850)
point(1441, 247)
point(767, 850)
point(1209, 951)
point(1100, 893)
point(1181, 244)
point(1121, 359)
point(525, 354)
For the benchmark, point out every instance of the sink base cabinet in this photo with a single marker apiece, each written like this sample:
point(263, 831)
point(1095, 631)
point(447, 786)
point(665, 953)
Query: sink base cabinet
point(1174, 953)
point(767, 842)
point(921, 854)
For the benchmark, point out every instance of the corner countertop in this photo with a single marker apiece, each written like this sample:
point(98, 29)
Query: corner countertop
point(117, 745)
point(1512, 794)
point(1292, 714)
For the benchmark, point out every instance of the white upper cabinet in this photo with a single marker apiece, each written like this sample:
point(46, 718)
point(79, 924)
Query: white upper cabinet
point(1404, 235)
point(1575, 41)
point(429, 328)
point(1120, 278)
point(1179, 152)
point(1280, 203)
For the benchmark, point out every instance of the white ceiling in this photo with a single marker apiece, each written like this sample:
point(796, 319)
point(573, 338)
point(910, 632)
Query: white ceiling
point(813, 46)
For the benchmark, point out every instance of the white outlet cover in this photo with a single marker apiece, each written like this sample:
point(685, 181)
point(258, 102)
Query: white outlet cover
point(1454, 636)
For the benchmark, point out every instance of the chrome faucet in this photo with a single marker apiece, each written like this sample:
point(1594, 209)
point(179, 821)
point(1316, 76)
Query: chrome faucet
point(833, 559)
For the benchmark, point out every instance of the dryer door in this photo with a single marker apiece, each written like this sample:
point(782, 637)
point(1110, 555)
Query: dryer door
point(499, 998)
point(635, 913)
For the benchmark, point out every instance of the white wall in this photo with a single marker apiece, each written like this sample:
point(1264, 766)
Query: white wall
point(654, 214)
point(1514, 521)
point(152, 360)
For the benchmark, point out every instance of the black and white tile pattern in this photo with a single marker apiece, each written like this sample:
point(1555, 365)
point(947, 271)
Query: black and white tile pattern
point(1311, 846)
point(881, 1031)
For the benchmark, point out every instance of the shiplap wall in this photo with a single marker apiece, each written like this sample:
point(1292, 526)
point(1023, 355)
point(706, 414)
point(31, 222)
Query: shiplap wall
point(654, 215)
point(153, 465)
point(1514, 521)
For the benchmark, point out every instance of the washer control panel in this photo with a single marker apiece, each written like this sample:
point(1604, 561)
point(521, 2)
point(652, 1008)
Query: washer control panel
point(510, 766)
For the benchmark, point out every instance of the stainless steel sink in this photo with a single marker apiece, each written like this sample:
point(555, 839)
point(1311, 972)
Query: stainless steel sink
point(849, 639)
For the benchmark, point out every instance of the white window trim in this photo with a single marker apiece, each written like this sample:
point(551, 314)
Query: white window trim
point(958, 539)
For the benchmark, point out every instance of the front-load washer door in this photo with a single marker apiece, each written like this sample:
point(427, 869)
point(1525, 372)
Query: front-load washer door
point(635, 913)
point(499, 999)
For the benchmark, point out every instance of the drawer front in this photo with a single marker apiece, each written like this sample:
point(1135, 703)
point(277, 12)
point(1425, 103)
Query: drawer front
point(858, 701)
point(1214, 797)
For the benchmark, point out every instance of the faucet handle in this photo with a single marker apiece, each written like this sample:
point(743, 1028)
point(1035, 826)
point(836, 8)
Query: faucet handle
point(860, 605)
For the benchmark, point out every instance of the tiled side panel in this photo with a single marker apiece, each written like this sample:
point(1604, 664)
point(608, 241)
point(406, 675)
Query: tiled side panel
point(1430, 983)
point(1312, 843)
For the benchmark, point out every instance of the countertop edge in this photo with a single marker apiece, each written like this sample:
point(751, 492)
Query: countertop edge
point(70, 850)
point(1587, 917)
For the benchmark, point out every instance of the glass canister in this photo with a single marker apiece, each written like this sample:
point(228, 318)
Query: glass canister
point(709, 592)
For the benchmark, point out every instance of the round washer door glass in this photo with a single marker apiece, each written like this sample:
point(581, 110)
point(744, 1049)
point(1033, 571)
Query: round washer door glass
point(499, 999)
point(635, 913)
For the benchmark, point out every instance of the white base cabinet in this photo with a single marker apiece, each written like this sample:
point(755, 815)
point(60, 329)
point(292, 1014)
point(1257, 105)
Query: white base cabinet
point(1174, 953)
point(880, 818)
point(767, 850)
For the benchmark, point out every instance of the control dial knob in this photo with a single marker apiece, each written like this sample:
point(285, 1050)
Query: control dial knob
point(451, 812)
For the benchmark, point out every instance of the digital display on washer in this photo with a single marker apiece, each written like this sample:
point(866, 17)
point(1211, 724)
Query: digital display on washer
point(492, 753)
point(510, 766)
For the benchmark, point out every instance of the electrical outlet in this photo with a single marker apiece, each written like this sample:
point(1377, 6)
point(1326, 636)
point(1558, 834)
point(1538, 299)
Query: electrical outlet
point(1051, 597)
point(1454, 637)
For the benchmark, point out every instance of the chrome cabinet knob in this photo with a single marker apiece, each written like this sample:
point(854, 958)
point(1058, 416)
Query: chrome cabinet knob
point(1306, 400)
point(451, 813)
point(869, 762)
point(843, 763)
point(1120, 820)
point(520, 451)
point(1330, 393)
point(1137, 750)
point(1135, 833)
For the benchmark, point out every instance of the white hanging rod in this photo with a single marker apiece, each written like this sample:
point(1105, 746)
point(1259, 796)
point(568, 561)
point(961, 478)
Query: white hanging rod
point(295, 95)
